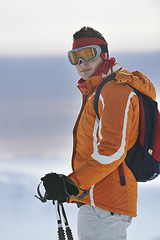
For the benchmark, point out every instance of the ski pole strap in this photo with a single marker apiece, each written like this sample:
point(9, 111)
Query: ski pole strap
point(84, 192)
point(40, 197)
point(59, 209)
point(44, 198)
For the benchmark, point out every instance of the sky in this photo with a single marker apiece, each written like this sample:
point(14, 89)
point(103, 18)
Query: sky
point(39, 101)
point(45, 27)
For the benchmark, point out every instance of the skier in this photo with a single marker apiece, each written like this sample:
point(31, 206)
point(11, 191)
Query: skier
point(100, 145)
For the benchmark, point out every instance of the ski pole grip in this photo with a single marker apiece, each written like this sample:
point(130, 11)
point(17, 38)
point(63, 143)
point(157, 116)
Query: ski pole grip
point(69, 233)
point(61, 234)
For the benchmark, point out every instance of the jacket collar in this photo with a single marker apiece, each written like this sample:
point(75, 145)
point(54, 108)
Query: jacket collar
point(94, 81)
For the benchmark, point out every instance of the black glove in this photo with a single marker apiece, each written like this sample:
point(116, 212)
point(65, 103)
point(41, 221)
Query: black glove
point(58, 187)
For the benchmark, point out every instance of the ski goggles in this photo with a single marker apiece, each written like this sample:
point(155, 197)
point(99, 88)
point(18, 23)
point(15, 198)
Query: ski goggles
point(85, 54)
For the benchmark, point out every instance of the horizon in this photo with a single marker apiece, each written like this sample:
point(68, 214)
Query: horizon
point(39, 102)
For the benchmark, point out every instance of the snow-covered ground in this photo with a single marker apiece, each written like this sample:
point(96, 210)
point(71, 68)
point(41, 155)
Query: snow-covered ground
point(25, 217)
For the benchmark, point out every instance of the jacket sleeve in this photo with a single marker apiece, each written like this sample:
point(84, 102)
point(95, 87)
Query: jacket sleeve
point(110, 135)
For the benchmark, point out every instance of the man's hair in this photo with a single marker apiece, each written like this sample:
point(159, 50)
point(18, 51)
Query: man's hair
point(87, 32)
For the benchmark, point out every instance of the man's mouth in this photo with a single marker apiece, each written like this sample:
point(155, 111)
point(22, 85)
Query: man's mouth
point(85, 70)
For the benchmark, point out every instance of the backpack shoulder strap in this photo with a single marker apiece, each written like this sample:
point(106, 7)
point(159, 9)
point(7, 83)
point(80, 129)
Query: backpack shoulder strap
point(135, 90)
point(97, 94)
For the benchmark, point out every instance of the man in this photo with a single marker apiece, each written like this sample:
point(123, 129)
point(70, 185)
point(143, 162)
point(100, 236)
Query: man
point(100, 144)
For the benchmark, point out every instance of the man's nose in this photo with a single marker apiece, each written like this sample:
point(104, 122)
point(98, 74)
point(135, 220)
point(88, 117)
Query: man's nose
point(81, 62)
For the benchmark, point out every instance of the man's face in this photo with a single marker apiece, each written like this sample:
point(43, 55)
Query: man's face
point(86, 70)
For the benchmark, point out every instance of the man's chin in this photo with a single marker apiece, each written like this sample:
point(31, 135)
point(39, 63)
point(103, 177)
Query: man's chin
point(86, 76)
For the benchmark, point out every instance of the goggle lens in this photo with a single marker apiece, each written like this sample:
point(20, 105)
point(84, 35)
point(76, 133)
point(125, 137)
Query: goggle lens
point(86, 54)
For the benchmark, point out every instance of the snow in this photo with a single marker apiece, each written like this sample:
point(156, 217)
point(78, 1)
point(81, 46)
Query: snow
point(24, 217)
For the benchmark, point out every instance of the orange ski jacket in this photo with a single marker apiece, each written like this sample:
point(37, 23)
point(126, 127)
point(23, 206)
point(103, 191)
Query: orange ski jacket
point(100, 146)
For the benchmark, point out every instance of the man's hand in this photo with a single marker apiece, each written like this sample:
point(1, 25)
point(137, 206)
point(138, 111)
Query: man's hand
point(58, 187)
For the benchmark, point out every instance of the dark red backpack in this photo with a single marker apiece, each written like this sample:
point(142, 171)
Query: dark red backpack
point(143, 159)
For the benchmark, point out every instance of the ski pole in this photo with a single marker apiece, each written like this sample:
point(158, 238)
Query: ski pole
point(61, 234)
point(59, 209)
point(68, 229)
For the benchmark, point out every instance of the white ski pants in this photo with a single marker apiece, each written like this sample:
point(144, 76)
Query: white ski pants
point(98, 224)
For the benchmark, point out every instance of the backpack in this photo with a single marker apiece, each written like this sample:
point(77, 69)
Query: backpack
point(143, 159)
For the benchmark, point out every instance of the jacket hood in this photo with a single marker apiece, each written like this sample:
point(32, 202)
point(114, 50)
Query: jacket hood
point(137, 80)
